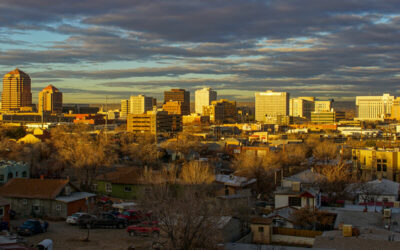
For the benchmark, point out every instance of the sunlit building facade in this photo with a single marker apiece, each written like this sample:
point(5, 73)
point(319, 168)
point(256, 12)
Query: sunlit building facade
point(374, 108)
point(179, 95)
point(271, 104)
point(50, 100)
point(16, 93)
point(204, 97)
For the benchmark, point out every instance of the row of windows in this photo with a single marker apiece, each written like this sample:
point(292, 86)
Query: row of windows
point(10, 175)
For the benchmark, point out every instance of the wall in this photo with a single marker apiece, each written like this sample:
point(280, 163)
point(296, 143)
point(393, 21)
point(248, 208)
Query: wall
point(261, 237)
point(295, 240)
point(24, 207)
point(118, 190)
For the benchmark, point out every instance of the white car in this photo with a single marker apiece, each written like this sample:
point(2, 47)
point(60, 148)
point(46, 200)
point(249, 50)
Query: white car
point(73, 219)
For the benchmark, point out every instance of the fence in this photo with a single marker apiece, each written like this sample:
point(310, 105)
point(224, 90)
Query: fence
point(296, 232)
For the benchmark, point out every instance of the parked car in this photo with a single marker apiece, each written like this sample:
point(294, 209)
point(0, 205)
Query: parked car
point(73, 219)
point(103, 220)
point(145, 228)
point(134, 216)
point(32, 226)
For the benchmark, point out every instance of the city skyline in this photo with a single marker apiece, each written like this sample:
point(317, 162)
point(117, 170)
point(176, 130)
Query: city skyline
point(91, 49)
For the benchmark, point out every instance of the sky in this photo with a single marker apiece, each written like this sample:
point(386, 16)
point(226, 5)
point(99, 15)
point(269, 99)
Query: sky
point(97, 49)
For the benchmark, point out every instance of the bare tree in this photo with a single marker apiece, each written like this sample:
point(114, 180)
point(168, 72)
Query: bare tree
point(325, 151)
point(196, 172)
point(189, 219)
point(337, 178)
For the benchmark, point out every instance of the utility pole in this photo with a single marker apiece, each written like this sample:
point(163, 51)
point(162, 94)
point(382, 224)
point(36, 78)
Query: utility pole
point(106, 128)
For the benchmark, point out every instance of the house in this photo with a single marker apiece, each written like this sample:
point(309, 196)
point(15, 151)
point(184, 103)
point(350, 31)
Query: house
point(299, 190)
point(29, 139)
point(4, 208)
point(232, 185)
point(281, 217)
point(124, 183)
point(12, 169)
point(45, 197)
point(377, 192)
point(261, 230)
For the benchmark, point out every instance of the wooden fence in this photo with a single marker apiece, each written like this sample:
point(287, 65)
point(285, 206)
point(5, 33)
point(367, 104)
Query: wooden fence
point(296, 232)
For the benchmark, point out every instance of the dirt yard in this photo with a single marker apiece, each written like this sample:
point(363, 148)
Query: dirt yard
point(66, 236)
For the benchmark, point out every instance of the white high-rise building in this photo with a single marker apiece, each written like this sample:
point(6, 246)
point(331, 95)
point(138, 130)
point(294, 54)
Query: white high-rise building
point(373, 108)
point(301, 107)
point(322, 106)
point(204, 97)
point(140, 104)
point(271, 104)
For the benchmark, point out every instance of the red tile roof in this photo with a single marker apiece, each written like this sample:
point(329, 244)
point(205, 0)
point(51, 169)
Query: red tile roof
point(33, 188)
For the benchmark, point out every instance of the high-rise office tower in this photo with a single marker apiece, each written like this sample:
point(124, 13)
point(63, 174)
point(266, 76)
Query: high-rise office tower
point(16, 93)
point(50, 100)
point(271, 104)
point(125, 108)
point(322, 106)
point(301, 106)
point(140, 104)
point(374, 107)
point(204, 97)
point(179, 95)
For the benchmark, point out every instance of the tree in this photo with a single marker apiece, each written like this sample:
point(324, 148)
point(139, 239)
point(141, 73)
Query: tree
point(184, 144)
point(196, 172)
point(84, 151)
point(188, 217)
point(304, 218)
point(337, 178)
point(325, 151)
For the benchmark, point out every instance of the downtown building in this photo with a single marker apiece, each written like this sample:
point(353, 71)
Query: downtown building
point(154, 122)
point(139, 104)
point(222, 111)
point(16, 95)
point(204, 97)
point(374, 108)
point(179, 95)
point(301, 106)
point(50, 100)
point(271, 104)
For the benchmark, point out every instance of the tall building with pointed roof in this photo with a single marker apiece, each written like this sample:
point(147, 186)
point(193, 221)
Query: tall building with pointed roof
point(16, 93)
point(50, 100)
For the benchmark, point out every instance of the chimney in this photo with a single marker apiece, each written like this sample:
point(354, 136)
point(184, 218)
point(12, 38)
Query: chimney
point(42, 177)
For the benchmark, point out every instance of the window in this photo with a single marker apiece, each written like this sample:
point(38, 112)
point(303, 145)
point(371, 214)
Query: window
point(108, 187)
point(260, 229)
point(1, 211)
point(384, 167)
point(385, 200)
point(24, 175)
point(94, 187)
point(127, 188)
point(295, 201)
point(1, 177)
point(25, 202)
point(379, 167)
point(58, 207)
point(16, 174)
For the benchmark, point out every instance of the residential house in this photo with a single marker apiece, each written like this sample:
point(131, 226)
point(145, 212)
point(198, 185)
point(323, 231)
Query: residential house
point(261, 230)
point(282, 217)
point(45, 197)
point(377, 192)
point(124, 183)
point(12, 169)
point(4, 210)
point(299, 190)
point(234, 186)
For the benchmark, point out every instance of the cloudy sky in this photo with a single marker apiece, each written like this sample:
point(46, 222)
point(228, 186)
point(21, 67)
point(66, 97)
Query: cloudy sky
point(91, 49)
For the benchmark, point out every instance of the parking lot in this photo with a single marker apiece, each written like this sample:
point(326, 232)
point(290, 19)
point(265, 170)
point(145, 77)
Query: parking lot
point(66, 236)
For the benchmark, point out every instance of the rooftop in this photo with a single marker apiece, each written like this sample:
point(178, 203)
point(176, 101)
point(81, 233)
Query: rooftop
point(306, 176)
point(33, 188)
point(233, 180)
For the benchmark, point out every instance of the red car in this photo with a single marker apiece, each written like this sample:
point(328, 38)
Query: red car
point(134, 216)
point(146, 228)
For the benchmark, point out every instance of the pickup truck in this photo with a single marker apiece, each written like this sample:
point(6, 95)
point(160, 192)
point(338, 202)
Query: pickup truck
point(134, 216)
point(145, 228)
point(32, 226)
point(105, 220)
